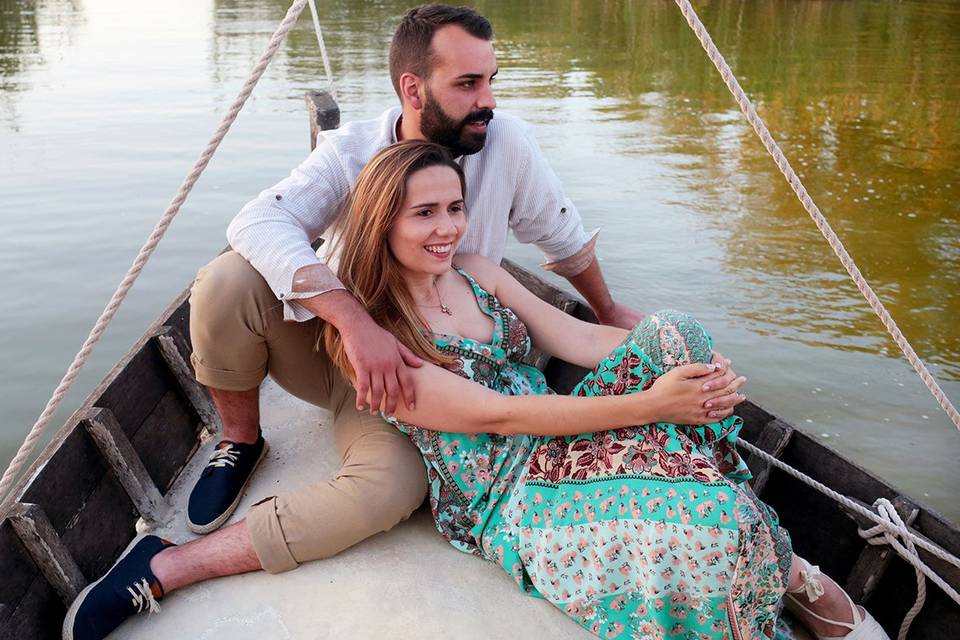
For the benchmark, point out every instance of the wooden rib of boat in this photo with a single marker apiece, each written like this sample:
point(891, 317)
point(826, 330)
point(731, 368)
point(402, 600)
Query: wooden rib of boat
point(119, 455)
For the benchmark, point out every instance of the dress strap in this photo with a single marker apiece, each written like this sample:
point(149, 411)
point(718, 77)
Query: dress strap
point(481, 294)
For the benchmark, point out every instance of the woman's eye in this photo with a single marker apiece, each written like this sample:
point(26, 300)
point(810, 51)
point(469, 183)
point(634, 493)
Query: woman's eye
point(424, 213)
point(457, 208)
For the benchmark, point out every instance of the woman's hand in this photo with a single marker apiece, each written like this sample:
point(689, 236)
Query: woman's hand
point(680, 398)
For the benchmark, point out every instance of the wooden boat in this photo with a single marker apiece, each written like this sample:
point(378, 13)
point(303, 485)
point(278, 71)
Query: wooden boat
point(142, 435)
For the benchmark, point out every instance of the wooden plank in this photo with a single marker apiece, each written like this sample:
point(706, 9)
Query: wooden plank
point(542, 289)
point(178, 317)
point(167, 439)
point(17, 568)
point(176, 352)
point(324, 114)
point(68, 476)
point(125, 463)
point(38, 615)
point(773, 440)
point(135, 392)
point(47, 550)
point(874, 559)
point(102, 528)
point(755, 420)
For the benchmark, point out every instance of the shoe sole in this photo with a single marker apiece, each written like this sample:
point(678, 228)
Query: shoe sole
point(67, 630)
point(203, 529)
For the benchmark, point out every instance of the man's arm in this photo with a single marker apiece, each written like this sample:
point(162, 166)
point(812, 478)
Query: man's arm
point(543, 215)
point(380, 362)
point(273, 232)
point(593, 287)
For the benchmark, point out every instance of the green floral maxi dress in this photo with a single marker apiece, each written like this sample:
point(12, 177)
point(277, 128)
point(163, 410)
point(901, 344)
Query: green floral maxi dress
point(644, 532)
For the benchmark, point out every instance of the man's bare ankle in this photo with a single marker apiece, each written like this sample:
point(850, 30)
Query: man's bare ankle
point(241, 436)
point(163, 569)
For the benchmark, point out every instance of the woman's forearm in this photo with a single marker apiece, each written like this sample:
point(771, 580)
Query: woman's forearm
point(567, 415)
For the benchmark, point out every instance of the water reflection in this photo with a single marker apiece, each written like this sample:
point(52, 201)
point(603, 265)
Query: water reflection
point(20, 37)
point(861, 96)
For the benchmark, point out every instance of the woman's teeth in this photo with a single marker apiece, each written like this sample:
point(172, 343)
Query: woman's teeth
point(438, 248)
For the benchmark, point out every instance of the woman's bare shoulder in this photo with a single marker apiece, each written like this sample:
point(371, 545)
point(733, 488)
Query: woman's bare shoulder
point(487, 273)
point(470, 262)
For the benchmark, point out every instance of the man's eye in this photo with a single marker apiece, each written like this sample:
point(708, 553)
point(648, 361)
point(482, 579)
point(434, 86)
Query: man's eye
point(467, 84)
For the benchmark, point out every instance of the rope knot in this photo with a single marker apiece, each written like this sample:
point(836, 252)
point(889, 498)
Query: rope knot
point(891, 532)
point(881, 533)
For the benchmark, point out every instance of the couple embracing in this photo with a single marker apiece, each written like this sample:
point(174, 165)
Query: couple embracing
point(624, 504)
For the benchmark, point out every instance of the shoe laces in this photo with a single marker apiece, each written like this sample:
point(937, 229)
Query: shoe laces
point(223, 457)
point(142, 597)
point(812, 587)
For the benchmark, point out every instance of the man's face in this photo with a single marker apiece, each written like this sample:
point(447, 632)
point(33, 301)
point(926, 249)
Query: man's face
point(458, 98)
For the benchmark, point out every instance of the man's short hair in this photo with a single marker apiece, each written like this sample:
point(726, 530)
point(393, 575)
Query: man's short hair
point(410, 50)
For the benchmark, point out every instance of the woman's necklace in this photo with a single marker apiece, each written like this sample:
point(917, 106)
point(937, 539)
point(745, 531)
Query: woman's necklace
point(443, 308)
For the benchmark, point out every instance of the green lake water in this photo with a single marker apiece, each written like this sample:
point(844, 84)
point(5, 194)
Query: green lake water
point(105, 104)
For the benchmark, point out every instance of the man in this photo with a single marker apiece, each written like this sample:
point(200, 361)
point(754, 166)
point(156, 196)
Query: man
point(258, 309)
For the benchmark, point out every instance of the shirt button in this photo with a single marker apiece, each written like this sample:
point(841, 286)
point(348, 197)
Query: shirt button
point(280, 197)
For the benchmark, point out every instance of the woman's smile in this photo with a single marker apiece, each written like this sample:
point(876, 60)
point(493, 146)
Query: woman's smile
point(440, 250)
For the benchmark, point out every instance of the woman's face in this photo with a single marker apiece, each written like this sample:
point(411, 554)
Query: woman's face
point(431, 221)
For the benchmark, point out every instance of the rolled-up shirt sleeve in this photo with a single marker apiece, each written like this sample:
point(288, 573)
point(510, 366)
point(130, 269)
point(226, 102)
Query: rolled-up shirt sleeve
point(543, 215)
point(273, 232)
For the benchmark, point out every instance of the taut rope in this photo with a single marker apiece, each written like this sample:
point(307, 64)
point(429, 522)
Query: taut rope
point(323, 48)
point(30, 443)
point(889, 524)
point(794, 180)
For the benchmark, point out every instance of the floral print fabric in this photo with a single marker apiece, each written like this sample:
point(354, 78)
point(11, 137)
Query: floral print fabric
point(644, 532)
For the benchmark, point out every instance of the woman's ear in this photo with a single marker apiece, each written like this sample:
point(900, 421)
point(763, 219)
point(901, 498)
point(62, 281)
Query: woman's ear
point(410, 90)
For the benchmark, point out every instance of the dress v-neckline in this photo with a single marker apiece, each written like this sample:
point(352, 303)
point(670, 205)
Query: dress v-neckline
point(482, 298)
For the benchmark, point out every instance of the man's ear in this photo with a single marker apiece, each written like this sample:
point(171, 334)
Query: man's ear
point(411, 88)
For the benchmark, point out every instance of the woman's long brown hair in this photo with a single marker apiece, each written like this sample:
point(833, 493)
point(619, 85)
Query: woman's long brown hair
point(368, 269)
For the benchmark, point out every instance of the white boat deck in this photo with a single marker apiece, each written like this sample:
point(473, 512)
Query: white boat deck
point(406, 583)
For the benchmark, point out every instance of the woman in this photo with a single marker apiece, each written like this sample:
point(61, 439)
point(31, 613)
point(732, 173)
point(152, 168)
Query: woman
point(633, 531)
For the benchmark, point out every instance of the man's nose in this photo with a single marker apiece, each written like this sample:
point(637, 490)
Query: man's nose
point(486, 100)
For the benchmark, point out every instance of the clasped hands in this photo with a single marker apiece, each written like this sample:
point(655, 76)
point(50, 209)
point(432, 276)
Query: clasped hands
point(698, 393)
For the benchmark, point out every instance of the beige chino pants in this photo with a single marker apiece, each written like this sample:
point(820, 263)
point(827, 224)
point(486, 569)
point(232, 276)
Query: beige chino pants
point(239, 337)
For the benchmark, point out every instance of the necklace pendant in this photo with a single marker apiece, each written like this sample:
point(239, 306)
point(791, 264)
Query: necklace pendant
point(445, 309)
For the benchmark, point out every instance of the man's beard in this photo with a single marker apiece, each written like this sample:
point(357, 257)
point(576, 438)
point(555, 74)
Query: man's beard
point(438, 127)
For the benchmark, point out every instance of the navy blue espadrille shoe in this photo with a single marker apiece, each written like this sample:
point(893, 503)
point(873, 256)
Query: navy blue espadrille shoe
point(220, 487)
point(127, 589)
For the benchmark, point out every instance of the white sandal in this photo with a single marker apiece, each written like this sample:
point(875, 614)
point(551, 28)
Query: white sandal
point(863, 627)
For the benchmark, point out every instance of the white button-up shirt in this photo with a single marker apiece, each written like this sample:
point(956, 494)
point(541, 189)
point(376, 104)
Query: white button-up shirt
point(509, 186)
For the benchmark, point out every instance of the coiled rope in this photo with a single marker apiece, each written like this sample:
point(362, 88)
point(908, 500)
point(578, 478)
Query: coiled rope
point(30, 443)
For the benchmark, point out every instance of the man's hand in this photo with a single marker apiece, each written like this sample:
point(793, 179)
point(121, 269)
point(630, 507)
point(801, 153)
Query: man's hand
point(622, 316)
point(379, 361)
point(380, 364)
point(722, 386)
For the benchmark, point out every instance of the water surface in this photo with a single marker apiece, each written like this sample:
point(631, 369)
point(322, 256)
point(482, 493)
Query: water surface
point(105, 104)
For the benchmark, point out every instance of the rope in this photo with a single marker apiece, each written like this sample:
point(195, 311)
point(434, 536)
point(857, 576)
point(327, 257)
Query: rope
point(877, 535)
point(18, 462)
point(323, 48)
point(883, 522)
point(890, 528)
point(784, 165)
